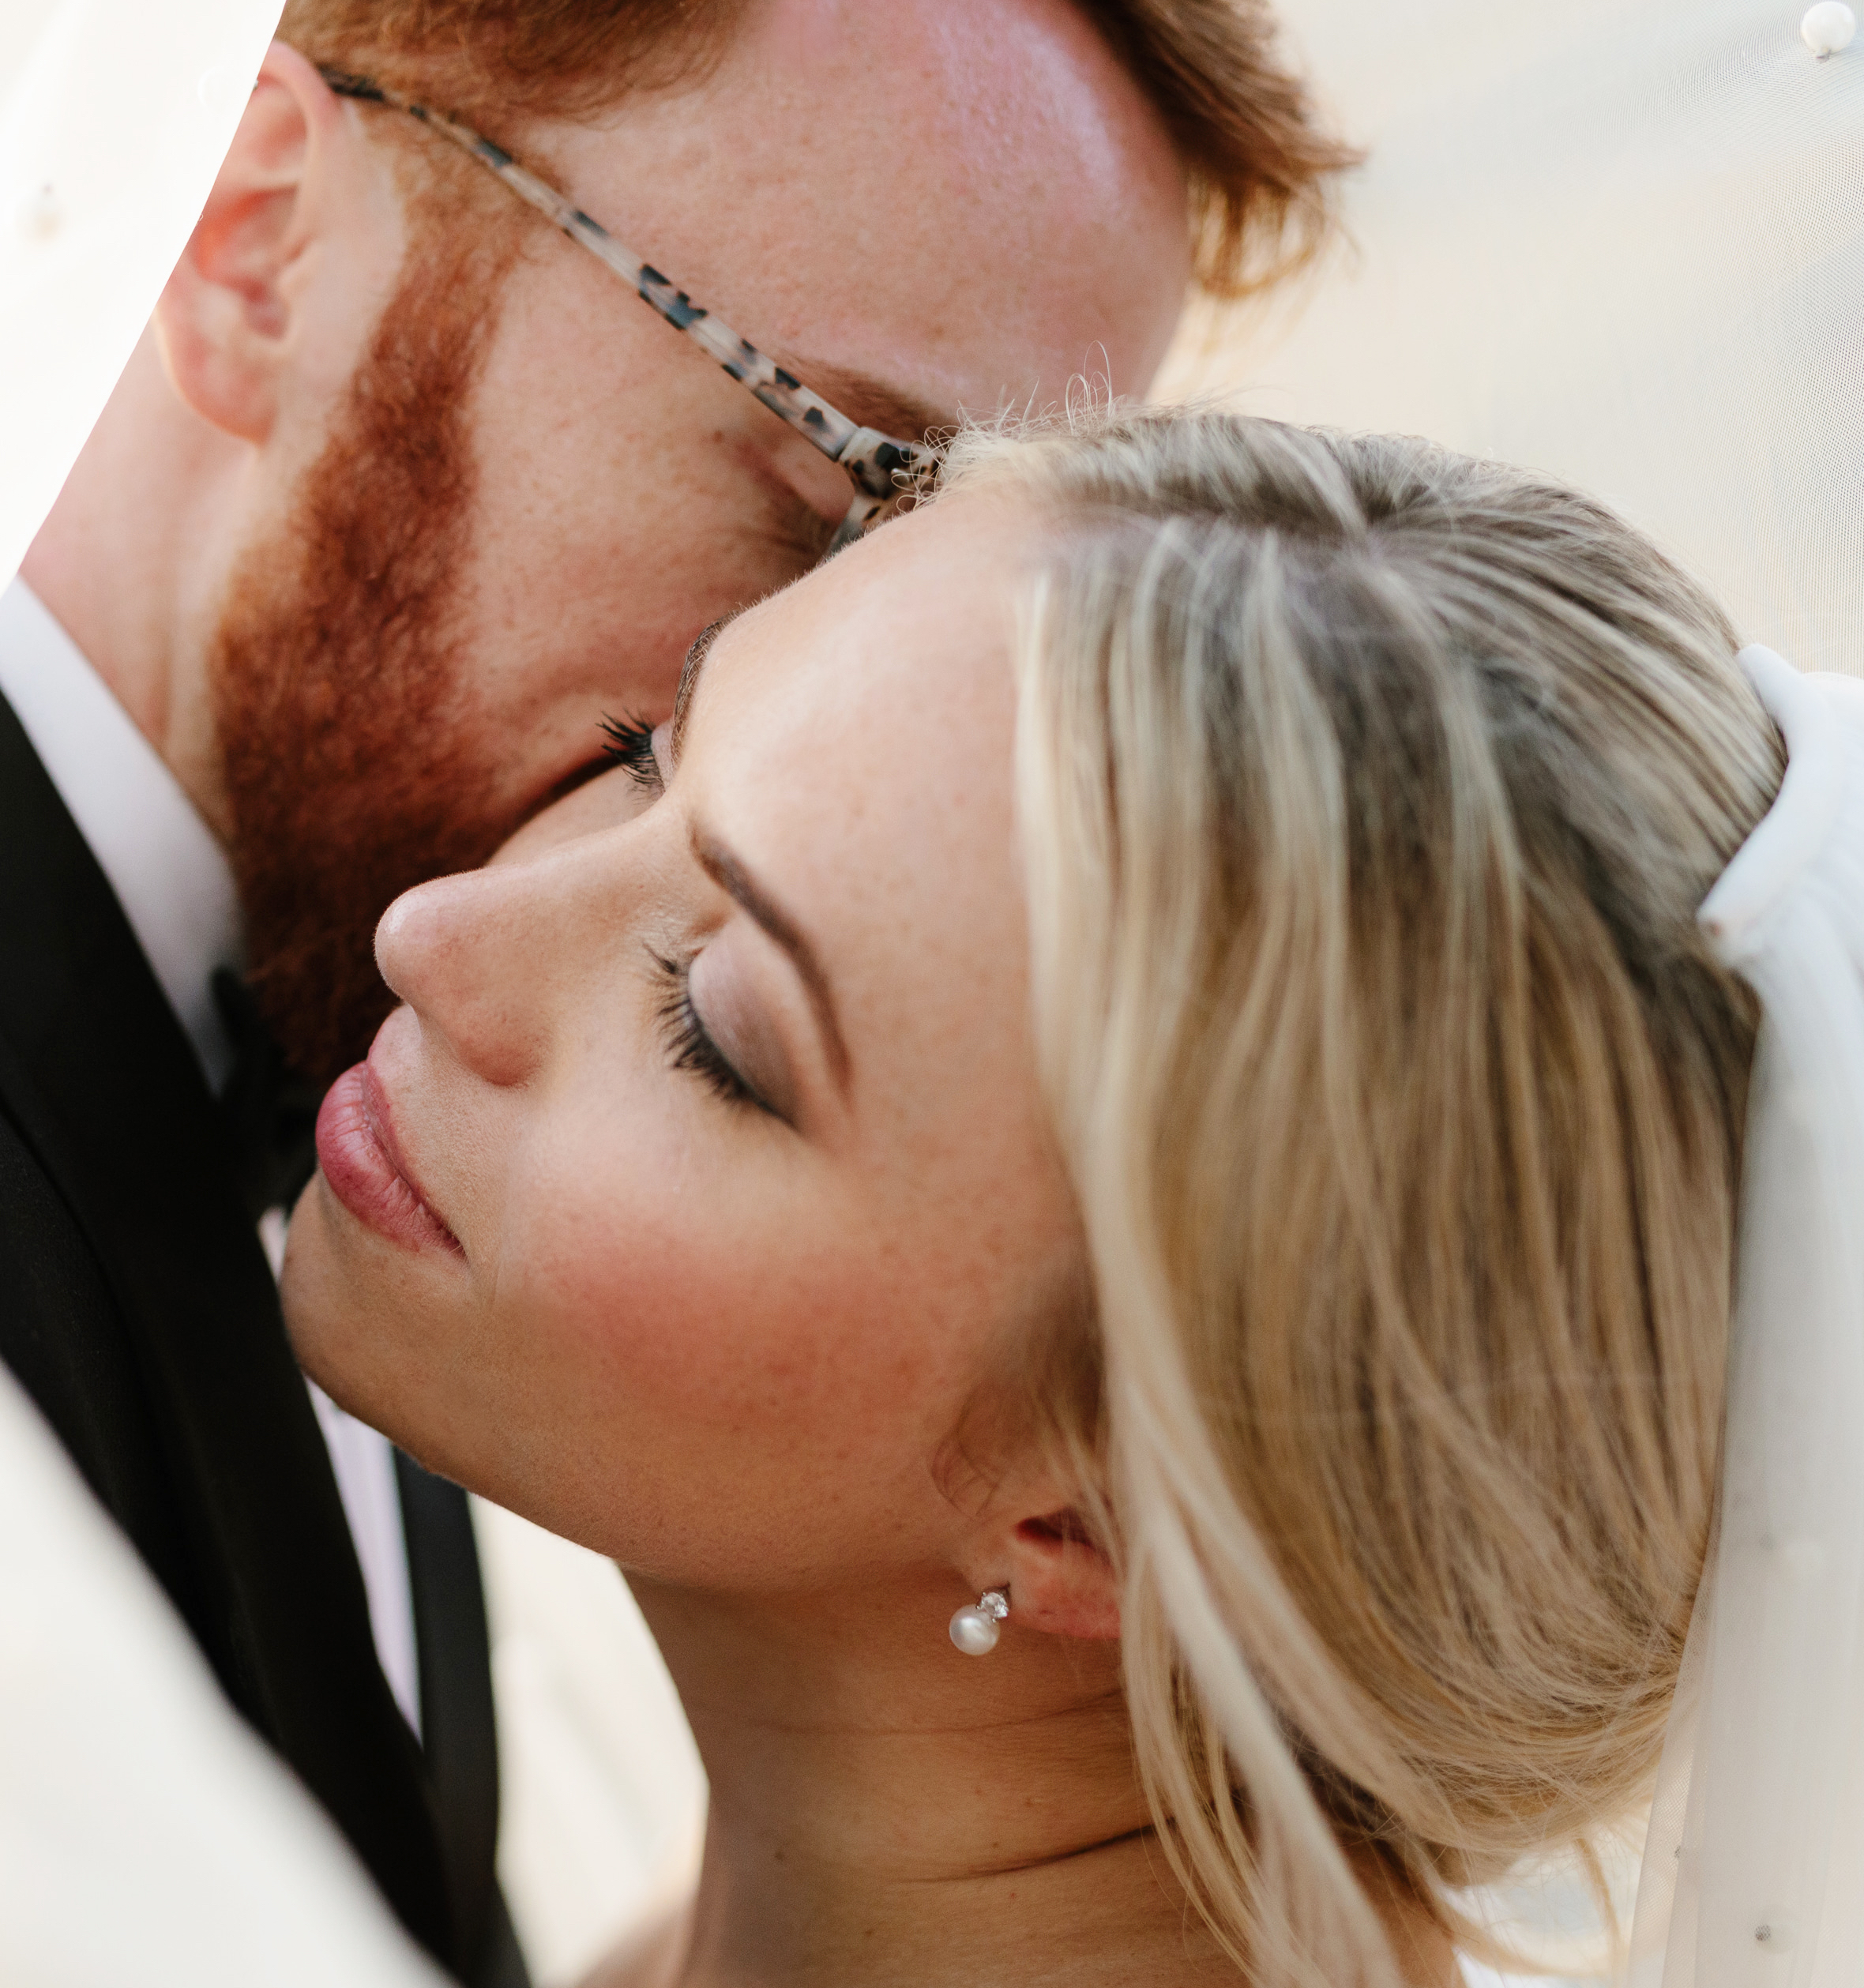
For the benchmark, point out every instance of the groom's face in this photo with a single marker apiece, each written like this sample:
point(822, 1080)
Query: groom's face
point(533, 493)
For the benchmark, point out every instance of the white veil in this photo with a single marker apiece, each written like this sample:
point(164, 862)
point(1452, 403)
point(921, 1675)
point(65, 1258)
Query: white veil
point(145, 1836)
point(1623, 241)
point(1753, 1869)
point(115, 115)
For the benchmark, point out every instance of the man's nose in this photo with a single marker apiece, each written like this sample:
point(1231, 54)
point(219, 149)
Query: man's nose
point(482, 958)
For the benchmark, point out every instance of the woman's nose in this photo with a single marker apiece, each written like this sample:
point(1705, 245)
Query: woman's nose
point(483, 958)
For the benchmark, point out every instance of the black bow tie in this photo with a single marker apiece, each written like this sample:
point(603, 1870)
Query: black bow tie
point(271, 1112)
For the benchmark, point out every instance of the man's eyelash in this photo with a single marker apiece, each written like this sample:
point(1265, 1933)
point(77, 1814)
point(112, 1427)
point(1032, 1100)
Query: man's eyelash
point(690, 1043)
point(630, 742)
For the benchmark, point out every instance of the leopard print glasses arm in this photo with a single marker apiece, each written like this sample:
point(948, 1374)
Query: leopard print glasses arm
point(878, 465)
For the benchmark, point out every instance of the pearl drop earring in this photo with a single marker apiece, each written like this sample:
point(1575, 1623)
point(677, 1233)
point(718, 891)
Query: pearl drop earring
point(974, 1628)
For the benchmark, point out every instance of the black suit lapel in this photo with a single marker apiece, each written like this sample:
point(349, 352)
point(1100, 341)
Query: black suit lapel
point(98, 1079)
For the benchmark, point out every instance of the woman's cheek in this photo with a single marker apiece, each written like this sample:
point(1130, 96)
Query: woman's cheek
point(619, 1275)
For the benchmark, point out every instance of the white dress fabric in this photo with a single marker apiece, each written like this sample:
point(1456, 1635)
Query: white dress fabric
point(1619, 240)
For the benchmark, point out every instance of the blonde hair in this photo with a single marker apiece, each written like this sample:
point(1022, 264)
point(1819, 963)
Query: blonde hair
point(1367, 795)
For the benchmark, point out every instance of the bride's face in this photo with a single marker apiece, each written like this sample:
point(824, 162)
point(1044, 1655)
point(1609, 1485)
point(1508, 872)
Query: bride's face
point(701, 1179)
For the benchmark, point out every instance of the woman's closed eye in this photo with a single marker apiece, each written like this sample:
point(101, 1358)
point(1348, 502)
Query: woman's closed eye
point(690, 1043)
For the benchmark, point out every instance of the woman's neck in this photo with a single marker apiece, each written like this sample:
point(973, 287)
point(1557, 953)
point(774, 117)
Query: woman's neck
point(885, 1810)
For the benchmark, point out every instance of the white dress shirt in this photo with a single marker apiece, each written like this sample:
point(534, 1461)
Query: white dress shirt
point(172, 879)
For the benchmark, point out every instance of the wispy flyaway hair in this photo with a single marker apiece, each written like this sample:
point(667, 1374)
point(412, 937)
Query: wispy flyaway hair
point(1368, 794)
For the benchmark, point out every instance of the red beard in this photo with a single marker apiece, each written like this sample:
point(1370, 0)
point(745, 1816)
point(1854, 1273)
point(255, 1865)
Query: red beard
point(356, 762)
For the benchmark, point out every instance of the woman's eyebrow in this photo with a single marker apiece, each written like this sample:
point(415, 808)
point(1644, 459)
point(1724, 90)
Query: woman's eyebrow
point(743, 889)
point(689, 679)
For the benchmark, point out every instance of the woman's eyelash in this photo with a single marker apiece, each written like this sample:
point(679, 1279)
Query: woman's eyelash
point(630, 742)
point(690, 1042)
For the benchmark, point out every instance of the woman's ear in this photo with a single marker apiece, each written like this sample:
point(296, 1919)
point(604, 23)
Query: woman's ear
point(227, 318)
point(1061, 1581)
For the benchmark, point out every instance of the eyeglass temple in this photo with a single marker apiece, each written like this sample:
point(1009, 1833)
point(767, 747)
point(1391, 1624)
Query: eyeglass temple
point(871, 459)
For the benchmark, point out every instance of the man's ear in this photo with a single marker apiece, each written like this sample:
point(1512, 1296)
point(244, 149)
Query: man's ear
point(1061, 1581)
point(227, 318)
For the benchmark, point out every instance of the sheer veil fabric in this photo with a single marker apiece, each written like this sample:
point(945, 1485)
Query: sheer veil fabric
point(115, 115)
point(1753, 1869)
point(145, 1835)
point(1622, 241)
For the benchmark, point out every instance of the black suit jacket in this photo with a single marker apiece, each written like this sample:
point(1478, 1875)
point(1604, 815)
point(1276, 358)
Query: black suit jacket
point(137, 1309)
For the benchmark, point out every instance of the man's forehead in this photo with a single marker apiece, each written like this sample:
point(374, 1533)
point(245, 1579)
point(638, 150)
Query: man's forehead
point(923, 225)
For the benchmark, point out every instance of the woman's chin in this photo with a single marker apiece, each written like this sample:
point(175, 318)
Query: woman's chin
point(331, 1319)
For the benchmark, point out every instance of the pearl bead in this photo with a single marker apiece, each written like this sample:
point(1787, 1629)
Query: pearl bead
point(1827, 28)
point(974, 1632)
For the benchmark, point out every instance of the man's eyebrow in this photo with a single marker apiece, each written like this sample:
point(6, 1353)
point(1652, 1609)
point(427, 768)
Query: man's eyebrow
point(871, 402)
point(743, 889)
point(689, 681)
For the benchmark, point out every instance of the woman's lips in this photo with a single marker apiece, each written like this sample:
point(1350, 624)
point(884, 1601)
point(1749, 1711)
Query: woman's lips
point(357, 1151)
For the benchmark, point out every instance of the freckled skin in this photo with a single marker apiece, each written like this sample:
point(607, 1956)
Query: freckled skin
point(963, 198)
point(659, 1285)
point(728, 1351)
point(966, 199)
point(725, 1350)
